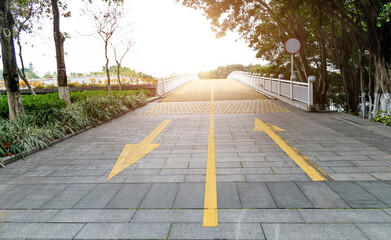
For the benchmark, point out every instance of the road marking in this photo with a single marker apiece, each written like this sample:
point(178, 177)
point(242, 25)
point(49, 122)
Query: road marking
point(312, 170)
point(133, 152)
point(210, 204)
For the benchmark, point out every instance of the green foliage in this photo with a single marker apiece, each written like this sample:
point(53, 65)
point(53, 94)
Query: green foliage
point(34, 104)
point(38, 129)
point(125, 71)
point(223, 72)
point(384, 15)
point(386, 120)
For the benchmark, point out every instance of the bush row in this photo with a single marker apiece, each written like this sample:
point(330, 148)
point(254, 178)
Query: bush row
point(51, 101)
point(39, 127)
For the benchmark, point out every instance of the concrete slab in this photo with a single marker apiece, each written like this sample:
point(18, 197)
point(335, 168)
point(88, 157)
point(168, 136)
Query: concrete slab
point(124, 231)
point(190, 195)
point(160, 195)
point(39, 230)
point(99, 197)
point(130, 196)
point(255, 195)
point(223, 231)
point(288, 195)
point(93, 216)
point(312, 231)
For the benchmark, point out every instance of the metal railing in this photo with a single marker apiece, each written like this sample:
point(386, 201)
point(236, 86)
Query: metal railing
point(165, 85)
point(299, 94)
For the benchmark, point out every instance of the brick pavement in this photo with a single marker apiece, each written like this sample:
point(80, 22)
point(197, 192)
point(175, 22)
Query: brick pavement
point(62, 192)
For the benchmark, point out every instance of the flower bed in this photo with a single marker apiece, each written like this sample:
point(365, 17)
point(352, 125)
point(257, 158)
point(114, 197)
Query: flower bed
point(48, 119)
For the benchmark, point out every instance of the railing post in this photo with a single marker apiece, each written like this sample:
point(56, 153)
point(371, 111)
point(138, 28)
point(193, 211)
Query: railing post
point(311, 80)
point(264, 80)
point(293, 78)
point(271, 82)
point(279, 83)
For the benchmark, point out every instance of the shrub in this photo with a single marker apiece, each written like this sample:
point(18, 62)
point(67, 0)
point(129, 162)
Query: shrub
point(41, 126)
point(385, 120)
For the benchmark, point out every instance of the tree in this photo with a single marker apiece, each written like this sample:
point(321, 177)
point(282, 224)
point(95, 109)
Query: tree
point(106, 23)
point(118, 59)
point(10, 72)
point(59, 39)
point(24, 11)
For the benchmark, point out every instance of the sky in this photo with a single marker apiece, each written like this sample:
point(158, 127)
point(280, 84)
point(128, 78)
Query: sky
point(170, 38)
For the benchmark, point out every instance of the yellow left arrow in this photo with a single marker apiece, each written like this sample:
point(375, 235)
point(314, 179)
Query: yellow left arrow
point(134, 152)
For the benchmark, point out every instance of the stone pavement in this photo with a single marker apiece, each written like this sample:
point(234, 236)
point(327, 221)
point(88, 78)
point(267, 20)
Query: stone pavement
point(261, 192)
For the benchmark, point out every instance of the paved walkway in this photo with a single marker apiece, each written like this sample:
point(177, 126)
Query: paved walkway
point(214, 160)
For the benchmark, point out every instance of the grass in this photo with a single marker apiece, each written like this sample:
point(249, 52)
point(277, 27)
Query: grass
point(47, 118)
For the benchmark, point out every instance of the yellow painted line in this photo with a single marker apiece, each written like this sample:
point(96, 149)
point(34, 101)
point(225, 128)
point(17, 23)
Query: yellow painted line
point(312, 170)
point(210, 204)
point(134, 152)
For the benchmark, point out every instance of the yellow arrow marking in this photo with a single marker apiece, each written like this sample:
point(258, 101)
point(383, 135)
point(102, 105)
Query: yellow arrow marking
point(133, 152)
point(313, 171)
point(210, 203)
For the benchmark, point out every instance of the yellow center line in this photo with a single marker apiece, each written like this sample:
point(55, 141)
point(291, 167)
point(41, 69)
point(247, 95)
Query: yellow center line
point(312, 170)
point(134, 152)
point(210, 204)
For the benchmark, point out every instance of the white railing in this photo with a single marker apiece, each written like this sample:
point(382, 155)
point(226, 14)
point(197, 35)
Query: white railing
point(165, 85)
point(299, 94)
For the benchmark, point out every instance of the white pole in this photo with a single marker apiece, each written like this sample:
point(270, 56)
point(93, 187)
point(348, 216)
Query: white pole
point(292, 76)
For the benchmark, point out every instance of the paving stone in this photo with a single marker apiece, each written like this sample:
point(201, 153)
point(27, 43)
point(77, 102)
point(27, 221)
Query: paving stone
point(380, 190)
point(155, 179)
point(288, 195)
point(255, 195)
point(277, 177)
point(130, 196)
point(382, 176)
point(312, 231)
point(16, 194)
point(171, 171)
point(344, 215)
point(259, 215)
point(376, 231)
point(239, 171)
point(247, 164)
point(38, 198)
point(165, 165)
point(91, 216)
point(39, 230)
point(355, 195)
point(69, 197)
point(160, 195)
point(25, 216)
point(351, 177)
point(99, 197)
point(124, 231)
point(228, 195)
point(361, 170)
point(223, 231)
point(169, 215)
point(321, 195)
point(39, 180)
point(190, 195)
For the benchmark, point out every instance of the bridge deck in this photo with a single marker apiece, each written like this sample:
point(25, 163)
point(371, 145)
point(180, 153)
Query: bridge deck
point(212, 160)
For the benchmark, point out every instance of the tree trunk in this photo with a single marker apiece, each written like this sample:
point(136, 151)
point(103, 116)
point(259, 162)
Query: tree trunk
point(324, 82)
point(107, 68)
point(119, 80)
point(10, 72)
point(59, 39)
point(25, 80)
point(362, 84)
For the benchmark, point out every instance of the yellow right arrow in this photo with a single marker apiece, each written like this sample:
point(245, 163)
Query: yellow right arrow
point(313, 171)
